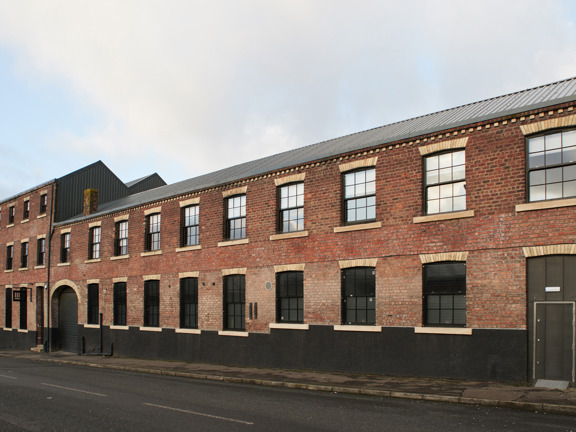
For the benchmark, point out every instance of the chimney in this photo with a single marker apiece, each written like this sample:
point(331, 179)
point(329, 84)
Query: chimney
point(90, 201)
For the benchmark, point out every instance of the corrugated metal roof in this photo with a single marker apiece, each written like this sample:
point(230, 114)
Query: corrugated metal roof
point(538, 97)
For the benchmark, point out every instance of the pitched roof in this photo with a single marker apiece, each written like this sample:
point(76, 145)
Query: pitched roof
point(514, 103)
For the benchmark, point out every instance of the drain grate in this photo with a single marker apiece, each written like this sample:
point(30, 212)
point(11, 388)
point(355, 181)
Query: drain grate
point(552, 384)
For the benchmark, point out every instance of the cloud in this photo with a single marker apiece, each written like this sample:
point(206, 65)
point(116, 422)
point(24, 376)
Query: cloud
point(185, 87)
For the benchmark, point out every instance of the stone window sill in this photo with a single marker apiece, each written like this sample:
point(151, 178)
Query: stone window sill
point(8, 271)
point(119, 257)
point(233, 242)
point(39, 267)
point(289, 326)
point(10, 225)
point(358, 227)
point(444, 330)
point(22, 330)
point(63, 264)
point(543, 205)
point(41, 216)
point(151, 329)
point(188, 331)
point(188, 248)
point(94, 260)
point(444, 216)
point(119, 327)
point(91, 326)
point(151, 253)
point(290, 235)
point(233, 333)
point(24, 221)
point(358, 328)
point(23, 269)
point(7, 329)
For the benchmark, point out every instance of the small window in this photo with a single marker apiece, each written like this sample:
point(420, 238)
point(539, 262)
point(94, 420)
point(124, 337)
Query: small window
point(153, 232)
point(445, 180)
point(290, 297)
point(552, 166)
point(236, 217)
point(26, 210)
point(234, 302)
point(189, 303)
point(24, 255)
point(8, 317)
point(190, 226)
point(445, 294)
point(94, 247)
point(11, 213)
point(65, 248)
point(120, 303)
point(121, 238)
point(151, 303)
point(359, 295)
point(9, 257)
point(43, 203)
point(93, 306)
point(360, 196)
point(291, 207)
point(41, 252)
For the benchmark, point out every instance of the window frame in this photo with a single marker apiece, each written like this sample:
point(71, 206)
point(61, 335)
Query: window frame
point(24, 252)
point(41, 252)
point(439, 184)
point(442, 294)
point(186, 228)
point(8, 308)
point(43, 204)
point(230, 220)
point(94, 243)
point(366, 196)
point(120, 242)
point(10, 257)
point(282, 220)
point(26, 210)
point(93, 304)
point(153, 238)
point(282, 278)
point(234, 312)
point(152, 303)
point(119, 303)
point(65, 241)
point(189, 302)
point(370, 300)
point(11, 214)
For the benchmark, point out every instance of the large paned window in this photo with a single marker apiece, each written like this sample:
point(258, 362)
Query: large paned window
point(152, 303)
point(121, 238)
point(95, 236)
point(93, 304)
point(360, 195)
point(445, 180)
point(65, 248)
point(234, 302)
point(236, 217)
point(153, 232)
point(359, 295)
point(190, 226)
point(11, 212)
point(41, 252)
point(290, 297)
point(444, 289)
point(26, 210)
point(119, 303)
point(189, 302)
point(23, 308)
point(24, 255)
point(552, 166)
point(43, 203)
point(9, 257)
point(291, 208)
point(8, 316)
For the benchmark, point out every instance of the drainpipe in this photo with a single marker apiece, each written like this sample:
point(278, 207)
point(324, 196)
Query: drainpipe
point(48, 305)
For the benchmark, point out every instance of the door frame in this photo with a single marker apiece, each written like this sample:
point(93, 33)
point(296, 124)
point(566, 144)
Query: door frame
point(573, 303)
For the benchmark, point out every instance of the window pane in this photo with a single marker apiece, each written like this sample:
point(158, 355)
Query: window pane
point(459, 203)
point(553, 157)
point(537, 193)
point(570, 189)
point(445, 175)
point(536, 160)
point(431, 177)
point(554, 175)
point(431, 163)
point(553, 141)
point(433, 207)
point(459, 172)
point(458, 158)
point(554, 191)
point(434, 192)
point(536, 144)
point(445, 160)
point(537, 177)
point(569, 138)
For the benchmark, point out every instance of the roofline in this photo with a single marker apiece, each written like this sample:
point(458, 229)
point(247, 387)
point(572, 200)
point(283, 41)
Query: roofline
point(18, 195)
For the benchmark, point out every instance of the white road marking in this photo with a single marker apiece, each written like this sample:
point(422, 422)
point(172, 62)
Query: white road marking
point(200, 414)
point(76, 390)
point(6, 376)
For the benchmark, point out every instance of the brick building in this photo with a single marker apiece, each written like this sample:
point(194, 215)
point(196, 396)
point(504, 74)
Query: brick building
point(444, 245)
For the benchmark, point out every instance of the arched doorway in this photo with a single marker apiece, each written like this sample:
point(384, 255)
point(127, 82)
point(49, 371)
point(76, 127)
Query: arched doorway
point(68, 320)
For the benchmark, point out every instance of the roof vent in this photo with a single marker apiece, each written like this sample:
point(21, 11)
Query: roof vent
point(90, 201)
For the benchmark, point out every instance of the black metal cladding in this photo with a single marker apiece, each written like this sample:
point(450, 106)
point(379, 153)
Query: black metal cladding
point(145, 183)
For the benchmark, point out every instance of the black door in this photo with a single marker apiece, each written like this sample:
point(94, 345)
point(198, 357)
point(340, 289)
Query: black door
point(68, 320)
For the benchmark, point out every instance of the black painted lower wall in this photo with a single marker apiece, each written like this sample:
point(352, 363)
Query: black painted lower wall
point(17, 340)
point(499, 355)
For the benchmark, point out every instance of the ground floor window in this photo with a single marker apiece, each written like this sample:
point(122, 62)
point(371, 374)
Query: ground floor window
point(23, 308)
point(120, 303)
point(444, 292)
point(8, 317)
point(359, 295)
point(234, 302)
point(189, 302)
point(290, 297)
point(152, 303)
point(93, 306)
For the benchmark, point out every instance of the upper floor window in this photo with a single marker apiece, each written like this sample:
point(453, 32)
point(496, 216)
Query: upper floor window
point(360, 195)
point(95, 236)
point(26, 210)
point(43, 203)
point(444, 291)
point(189, 302)
point(11, 212)
point(552, 166)
point(290, 297)
point(153, 232)
point(121, 238)
point(190, 226)
point(9, 257)
point(236, 217)
point(93, 304)
point(65, 248)
point(445, 180)
point(24, 255)
point(291, 208)
point(358, 295)
point(41, 252)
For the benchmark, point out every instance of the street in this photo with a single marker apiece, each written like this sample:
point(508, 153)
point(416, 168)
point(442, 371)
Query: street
point(36, 396)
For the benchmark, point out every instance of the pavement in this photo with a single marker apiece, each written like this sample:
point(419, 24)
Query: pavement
point(524, 397)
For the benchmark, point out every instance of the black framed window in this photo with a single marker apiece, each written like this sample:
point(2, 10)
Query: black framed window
point(360, 195)
point(119, 293)
point(291, 207)
point(8, 309)
point(43, 203)
point(24, 255)
point(234, 302)
point(41, 252)
point(189, 302)
point(11, 213)
point(121, 238)
point(26, 210)
point(93, 304)
point(152, 303)
point(65, 248)
point(9, 257)
point(359, 295)
point(94, 247)
point(445, 182)
point(23, 308)
point(444, 289)
point(552, 166)
point(190, 225)
point(290, 297)
point(153, 232)
point(236, 217)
